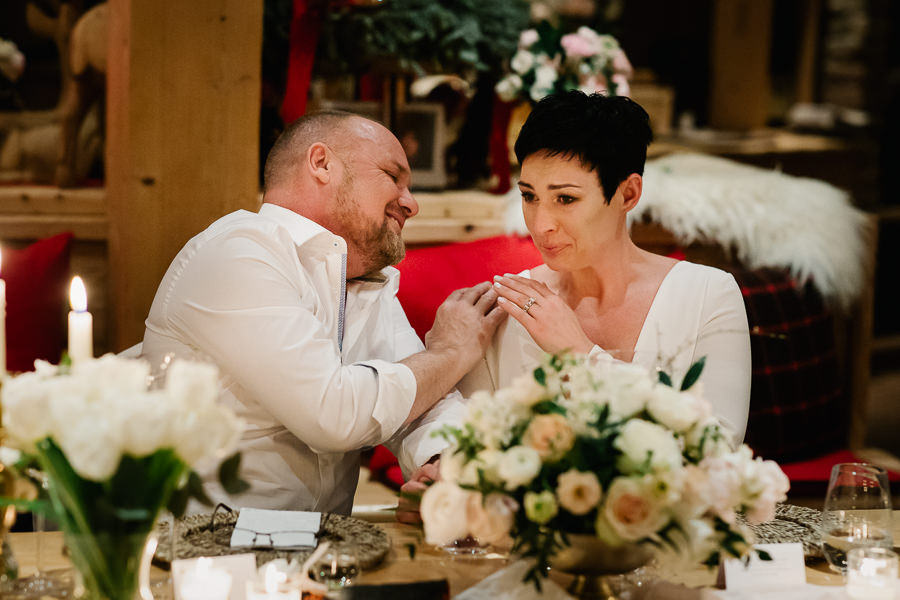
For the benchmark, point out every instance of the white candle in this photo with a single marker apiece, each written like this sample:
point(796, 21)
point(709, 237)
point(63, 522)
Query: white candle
point(205, 582)
point(273, 586)
point(871, 574)
point(81, 323)
point(2, 321)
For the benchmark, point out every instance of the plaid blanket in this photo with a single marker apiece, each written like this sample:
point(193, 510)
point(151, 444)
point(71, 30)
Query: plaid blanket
point(798, 407)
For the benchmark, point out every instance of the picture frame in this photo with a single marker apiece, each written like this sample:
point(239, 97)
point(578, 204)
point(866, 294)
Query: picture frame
point(421, 130)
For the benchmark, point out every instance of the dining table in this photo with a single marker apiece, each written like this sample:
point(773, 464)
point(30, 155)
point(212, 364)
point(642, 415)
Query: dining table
point(412, 560)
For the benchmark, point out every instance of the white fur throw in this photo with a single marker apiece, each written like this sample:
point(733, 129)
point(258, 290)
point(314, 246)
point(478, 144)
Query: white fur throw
point(764, 217)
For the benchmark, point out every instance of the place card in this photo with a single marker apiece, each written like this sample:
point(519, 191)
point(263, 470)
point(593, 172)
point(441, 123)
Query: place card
point(258, 528)
point(185, 572)
point(786, 569)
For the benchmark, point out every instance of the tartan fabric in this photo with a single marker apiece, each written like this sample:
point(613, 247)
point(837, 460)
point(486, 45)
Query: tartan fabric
point(798, 407)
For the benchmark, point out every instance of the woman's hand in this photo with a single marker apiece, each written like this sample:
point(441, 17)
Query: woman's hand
point(552, 324)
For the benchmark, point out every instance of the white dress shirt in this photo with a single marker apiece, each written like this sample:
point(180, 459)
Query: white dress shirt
point(697, 311)
point(306, 358)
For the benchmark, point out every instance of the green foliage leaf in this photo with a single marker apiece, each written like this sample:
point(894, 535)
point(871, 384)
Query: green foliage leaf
point(229, 475)
point(540, 376)
point(665, 379)
point(693, 374)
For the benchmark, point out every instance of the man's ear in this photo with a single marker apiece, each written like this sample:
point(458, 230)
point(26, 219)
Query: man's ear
point(631, 190)
point(319, 162)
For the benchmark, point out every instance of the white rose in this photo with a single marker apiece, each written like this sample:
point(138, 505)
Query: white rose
point(443, 510)
point(695, 492)
point(545, 76)
point(518, 466)
point(522, 61)
point(509, 87)
point(113, 374)
point(91, 442)
point(490, 519)
point(724, 489)
point(768, 485)
point(628, 388)
point(484, 462)
point(679, 411)
point(212, 432)
point(526, 390)
point(194, 383)
point(147, 423)
point(711, 435)
point(528, 37)
point(578, 492)
point(632, 510)
point(9, 456)
point(26, 408)
point(641, 439)
point(451, 464)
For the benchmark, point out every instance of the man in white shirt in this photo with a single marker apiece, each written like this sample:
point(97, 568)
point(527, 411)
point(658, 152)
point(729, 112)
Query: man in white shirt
point(296, 305)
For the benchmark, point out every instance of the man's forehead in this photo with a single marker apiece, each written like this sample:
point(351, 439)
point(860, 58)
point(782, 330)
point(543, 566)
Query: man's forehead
point(386, 146)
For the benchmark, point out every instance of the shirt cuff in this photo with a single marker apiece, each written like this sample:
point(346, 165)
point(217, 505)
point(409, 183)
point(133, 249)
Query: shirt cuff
point(396, 395)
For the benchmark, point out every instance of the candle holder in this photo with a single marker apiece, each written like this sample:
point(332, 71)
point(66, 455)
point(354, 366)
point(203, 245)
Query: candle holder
point(871, 573)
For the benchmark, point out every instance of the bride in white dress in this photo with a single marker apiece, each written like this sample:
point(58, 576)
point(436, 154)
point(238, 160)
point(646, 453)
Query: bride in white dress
point(597, 292)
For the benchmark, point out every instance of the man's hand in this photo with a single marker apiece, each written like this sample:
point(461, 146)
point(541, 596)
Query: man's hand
point(465, 323)
point(411, 492)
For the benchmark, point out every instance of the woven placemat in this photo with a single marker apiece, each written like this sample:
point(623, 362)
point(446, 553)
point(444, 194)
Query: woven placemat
point(197, 535)
point(792, 524)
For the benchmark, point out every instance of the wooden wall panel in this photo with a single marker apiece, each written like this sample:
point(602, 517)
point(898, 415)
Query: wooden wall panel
point(183, 97)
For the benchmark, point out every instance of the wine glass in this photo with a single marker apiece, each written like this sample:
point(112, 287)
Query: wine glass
point(857, 512)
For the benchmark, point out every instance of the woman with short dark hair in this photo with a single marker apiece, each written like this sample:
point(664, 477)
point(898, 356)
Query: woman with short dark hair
point(582, 160)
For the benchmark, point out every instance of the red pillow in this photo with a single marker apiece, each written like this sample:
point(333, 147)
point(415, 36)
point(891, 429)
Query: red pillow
point(429, 274)
point(36, 296)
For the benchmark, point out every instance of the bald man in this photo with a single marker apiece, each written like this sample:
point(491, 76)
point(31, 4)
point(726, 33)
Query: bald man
point(296, 305)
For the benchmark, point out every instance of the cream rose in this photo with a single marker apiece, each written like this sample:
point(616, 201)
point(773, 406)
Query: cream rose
point(550, 435)
point(540, 507)
point(490, 519)
point(578, 492)
point(444, 512)
point(632, 510)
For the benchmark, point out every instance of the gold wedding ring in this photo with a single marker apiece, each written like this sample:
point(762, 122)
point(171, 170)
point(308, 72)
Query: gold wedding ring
point(529, 304)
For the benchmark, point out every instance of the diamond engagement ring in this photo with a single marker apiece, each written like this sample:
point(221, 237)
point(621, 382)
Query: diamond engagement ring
point(529, 304)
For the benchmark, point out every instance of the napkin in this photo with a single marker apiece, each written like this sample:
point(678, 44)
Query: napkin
point(507, 585)
point(258, 528)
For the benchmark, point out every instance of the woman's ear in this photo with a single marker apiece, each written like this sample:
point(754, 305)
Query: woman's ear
point(319, 162)
point(631, 190)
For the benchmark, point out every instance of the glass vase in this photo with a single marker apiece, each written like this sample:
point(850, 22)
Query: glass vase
point(598, 567)
point(111, 566)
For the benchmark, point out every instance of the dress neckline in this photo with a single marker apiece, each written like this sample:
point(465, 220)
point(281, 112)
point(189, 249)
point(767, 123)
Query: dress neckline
point(650, 311)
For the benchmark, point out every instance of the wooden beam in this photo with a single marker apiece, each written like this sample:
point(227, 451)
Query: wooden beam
point(739, 64)
point(183, 96)
point(48, 200)
point(32, 227)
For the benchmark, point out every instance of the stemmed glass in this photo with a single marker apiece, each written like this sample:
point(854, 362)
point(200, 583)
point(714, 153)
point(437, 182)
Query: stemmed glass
point(857, 512)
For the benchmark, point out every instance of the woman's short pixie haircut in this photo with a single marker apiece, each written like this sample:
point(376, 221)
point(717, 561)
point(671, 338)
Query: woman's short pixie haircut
point(608, 134)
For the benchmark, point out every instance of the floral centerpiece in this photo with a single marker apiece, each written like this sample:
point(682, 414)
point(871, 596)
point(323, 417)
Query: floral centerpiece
point(547, 62)
point(600, 448)
point(115, 453)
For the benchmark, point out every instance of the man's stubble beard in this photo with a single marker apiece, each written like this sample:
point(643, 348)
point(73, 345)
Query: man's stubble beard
point(377, 245)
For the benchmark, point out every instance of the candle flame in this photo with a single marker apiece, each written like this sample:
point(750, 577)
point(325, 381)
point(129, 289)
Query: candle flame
point(77, 295)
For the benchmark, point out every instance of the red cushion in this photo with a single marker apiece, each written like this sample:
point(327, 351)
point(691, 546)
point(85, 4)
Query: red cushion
point(37, 278)
point(429, 274)
point(819, 468)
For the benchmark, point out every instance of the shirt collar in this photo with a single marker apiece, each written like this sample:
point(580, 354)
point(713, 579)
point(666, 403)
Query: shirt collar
point(301, 229)
point(305, 231)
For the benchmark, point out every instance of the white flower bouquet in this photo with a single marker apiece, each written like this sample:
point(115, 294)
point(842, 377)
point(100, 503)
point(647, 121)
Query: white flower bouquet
point(115, 453)
point(600, 448)
point(547, 62)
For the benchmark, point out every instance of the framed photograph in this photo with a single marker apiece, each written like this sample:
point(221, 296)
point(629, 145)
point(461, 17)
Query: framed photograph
point(420, 128)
